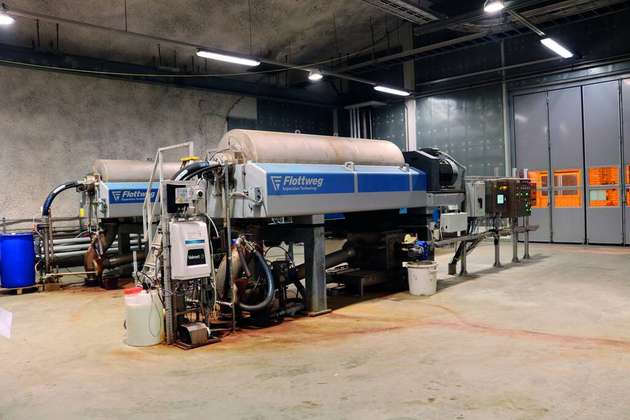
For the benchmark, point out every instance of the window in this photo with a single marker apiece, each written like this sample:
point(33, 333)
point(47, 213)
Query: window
point(540, 184)
point(604, 198)
point(567, 188)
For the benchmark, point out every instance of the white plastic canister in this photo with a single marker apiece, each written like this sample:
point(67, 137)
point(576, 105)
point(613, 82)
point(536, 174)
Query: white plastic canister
point(422, 277)
point(144, 316)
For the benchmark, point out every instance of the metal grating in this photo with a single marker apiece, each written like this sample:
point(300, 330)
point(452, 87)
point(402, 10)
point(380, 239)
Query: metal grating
point(404, 10)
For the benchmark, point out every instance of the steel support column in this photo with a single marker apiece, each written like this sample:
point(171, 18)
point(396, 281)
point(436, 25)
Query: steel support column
point(315, 262)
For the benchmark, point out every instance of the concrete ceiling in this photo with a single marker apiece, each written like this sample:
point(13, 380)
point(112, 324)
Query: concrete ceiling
point(298, 31)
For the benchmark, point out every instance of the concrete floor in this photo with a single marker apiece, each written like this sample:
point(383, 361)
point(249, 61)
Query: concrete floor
point(545, 339)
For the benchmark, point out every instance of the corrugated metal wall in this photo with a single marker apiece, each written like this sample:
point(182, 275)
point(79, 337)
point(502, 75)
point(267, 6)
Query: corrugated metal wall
point(388, 123)
point(287, 117)
point(468, 125)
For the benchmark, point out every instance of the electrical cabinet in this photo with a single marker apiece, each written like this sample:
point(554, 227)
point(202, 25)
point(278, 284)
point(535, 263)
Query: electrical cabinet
point(190, 251)
point(508, 197)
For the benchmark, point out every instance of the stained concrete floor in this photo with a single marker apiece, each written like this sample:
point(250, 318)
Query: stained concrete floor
point(549, 338)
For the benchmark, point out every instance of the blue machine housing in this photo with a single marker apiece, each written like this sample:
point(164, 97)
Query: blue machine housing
point(282, 189)
point(123, 199)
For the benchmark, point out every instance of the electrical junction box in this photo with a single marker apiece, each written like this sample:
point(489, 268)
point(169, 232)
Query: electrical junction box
point(190, 250)
point(476, 198)
point(453, 222)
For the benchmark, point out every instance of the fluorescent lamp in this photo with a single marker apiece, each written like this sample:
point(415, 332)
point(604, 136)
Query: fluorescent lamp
point(493, 6)
point(557, 48)
point(391, 91)
point(315, 76)
point(5, 19)
point(228, 58)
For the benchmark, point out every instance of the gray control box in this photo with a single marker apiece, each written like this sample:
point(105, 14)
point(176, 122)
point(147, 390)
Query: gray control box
point(476, 198)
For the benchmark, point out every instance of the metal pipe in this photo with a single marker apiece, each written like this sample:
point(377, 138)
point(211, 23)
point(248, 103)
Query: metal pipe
point(526, 255)
point(463, 271)
point(514, 241)
point(525, 22)
point(332, 259)
point(84, 239)
point(85, 247)
point(121, 260)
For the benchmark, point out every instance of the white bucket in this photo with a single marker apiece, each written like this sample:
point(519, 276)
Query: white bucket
point(422, 278)
point(144, 318)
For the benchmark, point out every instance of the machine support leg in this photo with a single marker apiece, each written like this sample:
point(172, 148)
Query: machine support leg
point(168, 291)
point(497, 251)
point(463, 271)
point(514, 240)
point(526, 242)
point(315, 262)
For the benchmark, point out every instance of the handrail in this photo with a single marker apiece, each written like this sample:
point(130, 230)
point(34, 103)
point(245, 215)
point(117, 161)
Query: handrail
point(147, 206)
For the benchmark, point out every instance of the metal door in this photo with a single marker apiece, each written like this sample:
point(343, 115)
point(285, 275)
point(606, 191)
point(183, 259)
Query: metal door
point(567, 165)
point(531, 130)
point(602, 147)
point(625, 90)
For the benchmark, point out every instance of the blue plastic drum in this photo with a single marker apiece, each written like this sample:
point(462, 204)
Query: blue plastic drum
point(17, 260)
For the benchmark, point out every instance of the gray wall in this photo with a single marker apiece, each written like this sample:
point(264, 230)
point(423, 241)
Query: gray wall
point(388, 123)
point(468, 125)
point(53, 126)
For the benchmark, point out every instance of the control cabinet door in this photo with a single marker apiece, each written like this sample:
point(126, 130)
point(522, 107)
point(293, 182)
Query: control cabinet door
point(567, 163)
point(532, 154)
point(602, 146)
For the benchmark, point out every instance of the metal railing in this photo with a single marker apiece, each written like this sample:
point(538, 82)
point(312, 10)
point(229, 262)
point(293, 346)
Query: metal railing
point(148, 208)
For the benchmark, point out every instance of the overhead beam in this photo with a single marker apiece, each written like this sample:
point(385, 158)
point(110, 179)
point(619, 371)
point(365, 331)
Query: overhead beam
point(410, 53)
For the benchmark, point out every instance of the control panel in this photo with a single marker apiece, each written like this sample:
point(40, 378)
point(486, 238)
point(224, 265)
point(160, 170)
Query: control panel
point(508, 197)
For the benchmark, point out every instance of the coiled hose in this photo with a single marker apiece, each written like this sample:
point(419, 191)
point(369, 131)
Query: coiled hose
point(271, 287)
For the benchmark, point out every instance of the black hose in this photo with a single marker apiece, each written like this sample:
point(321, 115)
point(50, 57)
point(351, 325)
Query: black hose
point(54, 193)
point(271, 288)
point(192, 170)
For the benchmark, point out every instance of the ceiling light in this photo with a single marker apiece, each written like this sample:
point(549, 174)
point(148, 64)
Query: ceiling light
point(391, 91)
point(557, 48)
point(493, 6)
point(228, 58)
point(5, 19)
point(315, 76)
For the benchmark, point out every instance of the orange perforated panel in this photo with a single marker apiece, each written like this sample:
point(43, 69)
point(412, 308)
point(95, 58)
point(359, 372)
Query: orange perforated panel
point(567, 178)
point(606, 175)
point(540, 199)
point(539, 178)
point(567, 199)
point(604, 198)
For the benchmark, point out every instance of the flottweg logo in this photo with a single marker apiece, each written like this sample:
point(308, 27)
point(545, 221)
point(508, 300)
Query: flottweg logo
point(131, 196)
point(296, 183)
point(276, 181)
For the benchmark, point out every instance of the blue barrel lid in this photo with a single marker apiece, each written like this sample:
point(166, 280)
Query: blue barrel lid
point(16, 234)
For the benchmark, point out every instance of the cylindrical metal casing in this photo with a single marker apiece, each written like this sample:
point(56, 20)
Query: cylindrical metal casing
point(273, 147)
point(131, 170)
